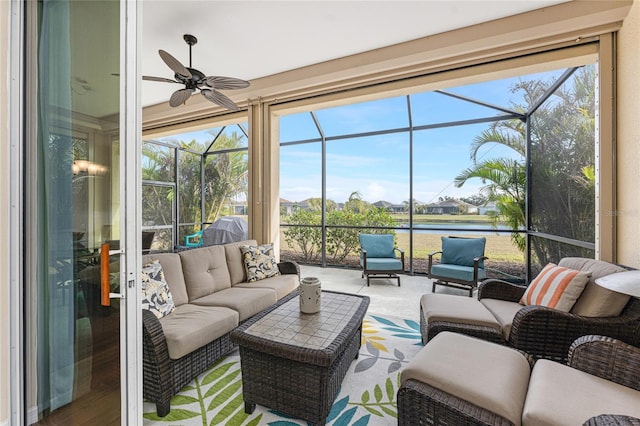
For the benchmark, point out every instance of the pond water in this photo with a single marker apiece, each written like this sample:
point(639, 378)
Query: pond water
point(455, 228)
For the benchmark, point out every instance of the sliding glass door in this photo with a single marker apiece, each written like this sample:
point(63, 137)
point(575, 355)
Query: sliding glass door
point(80, 292)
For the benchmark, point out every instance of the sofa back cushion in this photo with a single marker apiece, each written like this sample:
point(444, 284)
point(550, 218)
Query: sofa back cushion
point(205, 271)
point(172, 269)
point(235, 263)
point(596, 301)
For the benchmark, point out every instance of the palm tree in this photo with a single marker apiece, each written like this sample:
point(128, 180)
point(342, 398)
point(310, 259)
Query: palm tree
point(562, 150)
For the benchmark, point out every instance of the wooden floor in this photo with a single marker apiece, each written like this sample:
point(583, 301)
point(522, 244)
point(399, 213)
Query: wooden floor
point(101, 405)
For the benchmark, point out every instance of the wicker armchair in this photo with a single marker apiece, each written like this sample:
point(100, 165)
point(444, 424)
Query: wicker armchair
point(611, 359)
point(548, 333)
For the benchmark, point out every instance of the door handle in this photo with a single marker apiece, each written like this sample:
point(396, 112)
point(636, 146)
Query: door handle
point(105, 271)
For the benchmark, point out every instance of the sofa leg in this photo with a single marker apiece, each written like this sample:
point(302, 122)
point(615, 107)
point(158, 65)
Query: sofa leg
point(163, 408)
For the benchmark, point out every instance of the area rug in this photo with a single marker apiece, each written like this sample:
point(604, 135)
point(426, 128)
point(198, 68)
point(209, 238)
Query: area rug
point(367, 395)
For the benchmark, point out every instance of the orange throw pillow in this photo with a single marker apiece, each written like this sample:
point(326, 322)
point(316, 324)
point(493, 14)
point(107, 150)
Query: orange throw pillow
point(556, 287)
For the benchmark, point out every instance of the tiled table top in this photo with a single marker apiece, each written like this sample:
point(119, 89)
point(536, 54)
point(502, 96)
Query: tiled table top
point(288, 325)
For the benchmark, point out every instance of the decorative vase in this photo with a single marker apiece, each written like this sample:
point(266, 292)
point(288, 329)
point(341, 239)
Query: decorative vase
point(310, 295)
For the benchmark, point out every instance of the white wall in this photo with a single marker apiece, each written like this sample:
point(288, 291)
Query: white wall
point(628, 152)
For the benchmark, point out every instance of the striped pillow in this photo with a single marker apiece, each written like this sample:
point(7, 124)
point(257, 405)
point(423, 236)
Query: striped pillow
point(556, 287)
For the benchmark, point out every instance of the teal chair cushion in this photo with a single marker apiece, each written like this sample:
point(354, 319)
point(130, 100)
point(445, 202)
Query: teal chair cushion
point(377, 245)
point(382, 264)
point(462, 251)
point(456, 272)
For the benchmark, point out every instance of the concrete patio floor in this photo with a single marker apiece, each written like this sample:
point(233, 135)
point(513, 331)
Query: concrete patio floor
point(386, 298)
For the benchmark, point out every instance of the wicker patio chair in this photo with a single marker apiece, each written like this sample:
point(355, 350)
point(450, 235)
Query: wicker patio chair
point(538, 330)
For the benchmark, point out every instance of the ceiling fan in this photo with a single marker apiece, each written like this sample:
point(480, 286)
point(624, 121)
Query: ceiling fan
point(193, 79)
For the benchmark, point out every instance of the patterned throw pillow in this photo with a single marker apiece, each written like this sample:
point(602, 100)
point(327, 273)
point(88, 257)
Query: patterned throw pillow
point(556, 287)
point(156, 296)
point(259, 262)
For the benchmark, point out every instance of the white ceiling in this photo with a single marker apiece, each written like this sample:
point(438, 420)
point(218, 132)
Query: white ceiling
point(251, 39)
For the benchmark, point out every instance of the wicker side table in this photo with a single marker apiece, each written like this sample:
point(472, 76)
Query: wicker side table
point(294, 362)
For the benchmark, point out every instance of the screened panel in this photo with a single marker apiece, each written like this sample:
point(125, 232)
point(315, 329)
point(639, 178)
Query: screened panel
point(364, 117)
point(544, 250)
point(158, 162)
point(225, 184)
point(229, 137)
point(157, 205)
point(296, 127)
point(301, 184)
point(369, 170)
point(189, 188)
point(562, 172)
point(162, 240)
point(431, 108)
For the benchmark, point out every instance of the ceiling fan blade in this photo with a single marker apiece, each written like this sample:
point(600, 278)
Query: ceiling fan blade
point(174, 64)
point(224, 83)
point(179, 97)
point(162, 79)
point(218, 98)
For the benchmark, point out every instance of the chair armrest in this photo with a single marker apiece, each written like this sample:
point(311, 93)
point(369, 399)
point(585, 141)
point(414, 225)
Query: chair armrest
point(401, 255)
point(434, 253)
point(158, 381)
point(501, 290)
point(548, 333)
point(608, 358)
point(430, 262)
point(286, 268)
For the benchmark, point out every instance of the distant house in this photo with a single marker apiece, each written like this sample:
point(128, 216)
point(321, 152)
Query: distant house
point(287, 206)
point(451, 207)
point(390, 207)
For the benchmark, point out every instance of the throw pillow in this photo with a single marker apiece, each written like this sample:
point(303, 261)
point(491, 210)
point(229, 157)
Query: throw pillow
point(156, 296)
point(556, 287)
point(259, 262)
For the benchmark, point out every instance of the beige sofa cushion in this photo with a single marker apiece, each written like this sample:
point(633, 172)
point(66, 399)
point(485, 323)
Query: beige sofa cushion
point(282, 284)
point(205, 271)
point(457, 364)
point(561, 395)
point(504, 312)
point(247, 302)
point(596, 301)
point(235, 263)
point(190, 327)
point(172, 268)
point(457, 309)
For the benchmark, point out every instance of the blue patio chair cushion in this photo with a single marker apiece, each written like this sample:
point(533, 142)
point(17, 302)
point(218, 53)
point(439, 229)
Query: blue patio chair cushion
point(382, 264)
point(377, 245)
point(456, 272)
point(462, 251)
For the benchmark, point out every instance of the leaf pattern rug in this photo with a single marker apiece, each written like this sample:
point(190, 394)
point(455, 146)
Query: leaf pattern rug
point(367, 396)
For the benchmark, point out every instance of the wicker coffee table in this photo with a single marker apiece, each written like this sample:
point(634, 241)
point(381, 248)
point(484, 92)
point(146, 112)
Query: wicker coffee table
point(295, 363)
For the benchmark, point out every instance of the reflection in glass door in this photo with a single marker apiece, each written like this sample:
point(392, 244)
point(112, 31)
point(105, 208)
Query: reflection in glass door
point(73, 310)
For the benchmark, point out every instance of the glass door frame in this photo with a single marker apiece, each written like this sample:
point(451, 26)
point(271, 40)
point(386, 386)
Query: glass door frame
point(23, 28)
point(130, 212)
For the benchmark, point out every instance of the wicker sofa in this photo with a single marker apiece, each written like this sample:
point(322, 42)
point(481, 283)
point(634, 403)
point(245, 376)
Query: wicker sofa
point(208, 286)
point(460, 380)
point(540, 331)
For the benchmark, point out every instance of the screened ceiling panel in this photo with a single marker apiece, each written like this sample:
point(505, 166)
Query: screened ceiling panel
point(364, 117)
point(431, 108)
point(296, 127)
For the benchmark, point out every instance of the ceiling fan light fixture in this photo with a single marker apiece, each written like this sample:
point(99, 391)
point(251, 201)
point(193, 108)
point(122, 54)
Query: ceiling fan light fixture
point(194, 79)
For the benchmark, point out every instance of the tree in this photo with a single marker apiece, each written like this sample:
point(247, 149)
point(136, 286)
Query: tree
point(562, 177)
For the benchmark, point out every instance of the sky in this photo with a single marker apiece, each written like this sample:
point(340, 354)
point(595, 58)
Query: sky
point(378, 166)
